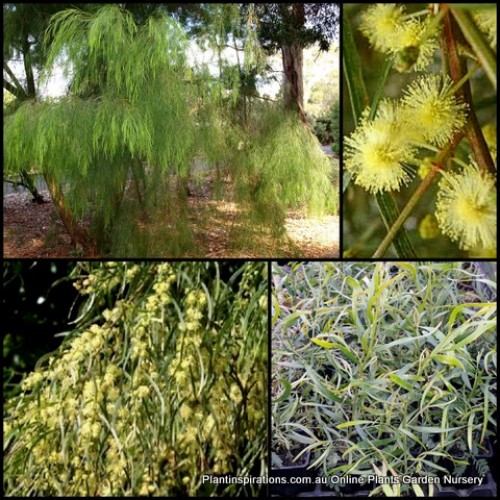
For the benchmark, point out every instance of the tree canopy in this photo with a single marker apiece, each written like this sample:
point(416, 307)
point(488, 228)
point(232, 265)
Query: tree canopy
point(119, 147)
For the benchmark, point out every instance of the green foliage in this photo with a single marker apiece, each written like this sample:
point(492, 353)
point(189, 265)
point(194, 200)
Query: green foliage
point(383, 368)
point(327, 127)
point(89, 144)
point(122, 144)
point(162, 380)
point(282, 167)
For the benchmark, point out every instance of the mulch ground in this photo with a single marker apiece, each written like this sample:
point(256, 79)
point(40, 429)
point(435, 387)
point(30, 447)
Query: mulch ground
point(34, 231)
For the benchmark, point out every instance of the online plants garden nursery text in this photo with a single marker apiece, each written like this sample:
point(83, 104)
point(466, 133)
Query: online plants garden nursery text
point(371, 479)
point(404, 479)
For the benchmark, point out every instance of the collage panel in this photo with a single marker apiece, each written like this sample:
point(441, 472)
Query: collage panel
point(419, 126)
point(172, 131)
point(135, 378)
point(161, 163)
point(383, 379)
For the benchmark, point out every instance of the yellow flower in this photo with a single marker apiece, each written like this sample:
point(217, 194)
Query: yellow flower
point(413, 45)
point(466, 208)
point(89, 390)
point(377, 152)
point(185, 411)
point(86, 430)
point(486, 19)
point(412, 41)
point(96, 430)
point(132, 272)
point(428, 227)
point(31, 380)
point(433, 109)
point(143, 391)
point(113, 394)
point(379, 23)
point(425, 167)
point(112, 373)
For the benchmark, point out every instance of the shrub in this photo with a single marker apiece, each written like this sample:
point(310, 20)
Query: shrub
point(327, 127)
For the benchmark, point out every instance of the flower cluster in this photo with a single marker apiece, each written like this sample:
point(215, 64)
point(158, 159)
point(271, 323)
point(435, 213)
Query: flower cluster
point(410, 40)
point(168, 385)
point(379, 152)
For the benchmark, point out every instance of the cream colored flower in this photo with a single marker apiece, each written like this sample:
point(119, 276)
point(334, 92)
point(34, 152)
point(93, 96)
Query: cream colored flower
point(466, 208)
point(433, 109)
point(378, 151)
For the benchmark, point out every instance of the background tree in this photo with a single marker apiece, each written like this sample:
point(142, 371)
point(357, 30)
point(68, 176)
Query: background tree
point(290, 28)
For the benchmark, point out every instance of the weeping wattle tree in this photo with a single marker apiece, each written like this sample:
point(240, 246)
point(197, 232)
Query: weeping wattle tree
point(118, 149)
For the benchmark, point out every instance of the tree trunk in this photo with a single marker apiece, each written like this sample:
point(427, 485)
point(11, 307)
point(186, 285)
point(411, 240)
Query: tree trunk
point(15, 88)
point(294, 81)
point(28, 68)
point(27, 182)
point(78, 235)
point(293, 64)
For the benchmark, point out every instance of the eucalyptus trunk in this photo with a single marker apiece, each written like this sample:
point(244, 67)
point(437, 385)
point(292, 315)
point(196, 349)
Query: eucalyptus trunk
point(293, 60)
point(294, 81)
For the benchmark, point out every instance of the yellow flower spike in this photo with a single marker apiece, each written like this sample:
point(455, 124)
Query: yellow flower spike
point(466, 208)
point(143, 391)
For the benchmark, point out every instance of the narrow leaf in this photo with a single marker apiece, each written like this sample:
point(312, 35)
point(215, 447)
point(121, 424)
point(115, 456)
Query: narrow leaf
point(286, 391)
point(402, 383)
point(323, 343)
point(354, 422)
point(449, 359)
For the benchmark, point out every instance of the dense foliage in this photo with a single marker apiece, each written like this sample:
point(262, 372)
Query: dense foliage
point(166, 384)
point(384, 368)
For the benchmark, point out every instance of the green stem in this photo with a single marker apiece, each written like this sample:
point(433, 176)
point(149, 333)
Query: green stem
point(384, 74)
point(478, 43)
point(353, 72)
point(390, 214)
point(464, 79)
point(405, 213)
point(415, 198)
